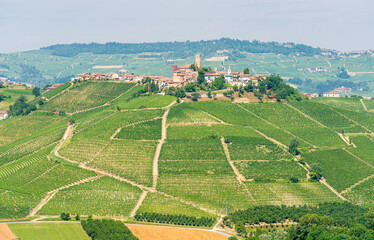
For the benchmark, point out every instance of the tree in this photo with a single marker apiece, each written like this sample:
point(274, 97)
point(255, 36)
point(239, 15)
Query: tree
point(240, 228)
point(36, 91)
point(65, 216)
point(246, 71)
point(201, 76)
point(292, 147)
point(369, 218)
point(219, 83)
point(71, 120)
point(77, 217)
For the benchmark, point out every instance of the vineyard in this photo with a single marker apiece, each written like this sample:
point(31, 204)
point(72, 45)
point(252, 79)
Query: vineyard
point(152, 159)
point(86, 95)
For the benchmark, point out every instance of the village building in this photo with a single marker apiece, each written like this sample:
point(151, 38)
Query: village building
point(332, 94)
point(3, 114)
point(314, 95)
point(53, 86)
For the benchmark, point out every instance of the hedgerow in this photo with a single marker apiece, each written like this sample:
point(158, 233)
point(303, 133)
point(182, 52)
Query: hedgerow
point(175, 219)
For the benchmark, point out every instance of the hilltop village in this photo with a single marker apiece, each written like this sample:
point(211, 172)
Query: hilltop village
point(181, 76)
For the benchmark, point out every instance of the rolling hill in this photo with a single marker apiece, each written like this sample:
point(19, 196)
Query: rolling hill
point(134, 158)
point(310, 69)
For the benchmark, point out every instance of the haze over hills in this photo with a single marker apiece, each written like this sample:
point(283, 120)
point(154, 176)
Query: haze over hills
point(310, 69)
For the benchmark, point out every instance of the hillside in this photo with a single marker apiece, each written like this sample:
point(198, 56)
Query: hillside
point(311, 69)
point(129, 157)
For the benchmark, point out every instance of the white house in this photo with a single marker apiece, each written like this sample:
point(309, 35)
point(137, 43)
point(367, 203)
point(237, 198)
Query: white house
point(332, 94)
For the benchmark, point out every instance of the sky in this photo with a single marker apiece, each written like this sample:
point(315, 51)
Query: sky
point(336, 24)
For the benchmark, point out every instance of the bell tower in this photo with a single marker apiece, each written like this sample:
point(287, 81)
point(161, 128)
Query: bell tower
point(198, 61)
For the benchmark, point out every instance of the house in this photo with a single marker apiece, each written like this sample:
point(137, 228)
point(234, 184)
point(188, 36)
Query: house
point(332, 94)
point(3, 114)
point(53, 86)
point(314, 95)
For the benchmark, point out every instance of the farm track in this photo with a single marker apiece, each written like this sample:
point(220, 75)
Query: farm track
point(348, 189)
point(319, 123)
point(103, 105)
point(239, 176)
point(68, 133)
point(139, 203)
point(158, 148)
point(349, 118)
point(27, 154)
point(67, 89)
point(275, 126)
point(132, 124)
point(51, 193)
point(358, 158)
point(323, 181)
point(363, 104)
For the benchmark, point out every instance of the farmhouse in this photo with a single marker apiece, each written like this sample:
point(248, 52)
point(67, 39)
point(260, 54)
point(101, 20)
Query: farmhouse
point(332, 94)
point(314, 95)
point(3, 114)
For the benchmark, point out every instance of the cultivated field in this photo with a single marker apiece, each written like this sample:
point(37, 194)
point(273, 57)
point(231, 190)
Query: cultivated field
point(126, 156)
point(144, 232)
point(51, 231)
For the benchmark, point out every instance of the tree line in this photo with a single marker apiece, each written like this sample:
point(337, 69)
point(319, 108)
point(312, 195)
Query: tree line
point(174, 219)
point(332, 220)
point(185, 49)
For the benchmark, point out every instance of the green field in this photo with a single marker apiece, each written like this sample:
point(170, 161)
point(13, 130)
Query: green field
point(86, 95)
point(50, 231)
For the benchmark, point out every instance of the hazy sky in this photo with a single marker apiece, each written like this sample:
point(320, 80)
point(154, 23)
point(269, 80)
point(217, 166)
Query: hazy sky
point(337, 24)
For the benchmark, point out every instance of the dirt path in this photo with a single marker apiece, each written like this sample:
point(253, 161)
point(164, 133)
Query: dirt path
point(67, 135)
point(51, 193)
point(103, 105)
point(58, 94)
point(6, 233)
point(358, 158)
point(275, 126)
point(307, 170)
point(323, 181)
point(350, 119)
point(239, 176)
point(158, 148)
point(139, 203)
point(363, 104)
point(348, 189)
point(319, 123)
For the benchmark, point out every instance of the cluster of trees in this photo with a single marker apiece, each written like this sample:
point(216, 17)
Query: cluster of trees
point(308, 85)
point(342, 214)
point(149, 87)
point(274, 84)
point(343, 73)
point(21, 107)
point(186, 49)
point(327, 221)
point(175, 219)
point(107, 229)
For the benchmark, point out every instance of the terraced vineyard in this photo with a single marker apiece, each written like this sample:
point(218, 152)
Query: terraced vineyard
point(150, 154)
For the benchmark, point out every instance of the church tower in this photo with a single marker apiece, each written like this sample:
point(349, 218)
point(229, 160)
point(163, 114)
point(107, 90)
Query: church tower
point(229, 71)
point(198, 61)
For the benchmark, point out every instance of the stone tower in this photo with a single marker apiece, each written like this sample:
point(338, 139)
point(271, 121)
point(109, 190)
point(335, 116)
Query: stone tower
point(198, 61)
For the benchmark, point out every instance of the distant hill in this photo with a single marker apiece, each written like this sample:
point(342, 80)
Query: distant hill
point(185, 49)
point(310, 69)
